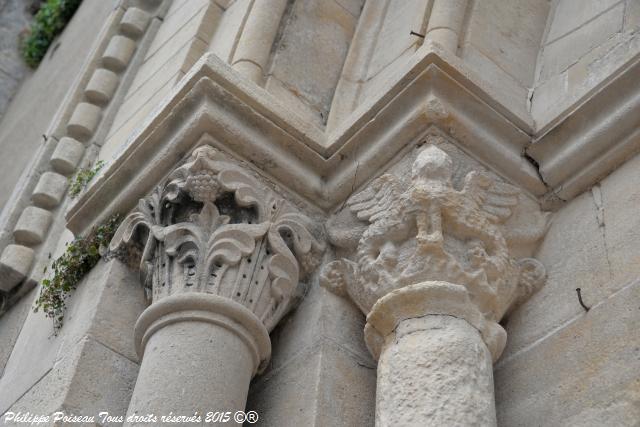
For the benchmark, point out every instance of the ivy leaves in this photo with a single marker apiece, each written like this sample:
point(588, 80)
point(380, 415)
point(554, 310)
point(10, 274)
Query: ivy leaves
point(48, 23)
point(80, 256)
point(82, 178)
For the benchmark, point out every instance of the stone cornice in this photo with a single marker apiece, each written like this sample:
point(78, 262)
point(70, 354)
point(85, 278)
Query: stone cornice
point(248, 122)
point(593, 137)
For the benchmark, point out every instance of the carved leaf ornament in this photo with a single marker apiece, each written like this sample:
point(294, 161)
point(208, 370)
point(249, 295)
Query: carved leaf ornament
point(212, 228)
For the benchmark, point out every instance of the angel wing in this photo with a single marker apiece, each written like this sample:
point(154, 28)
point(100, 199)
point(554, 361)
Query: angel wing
point(377, 200)
point(496, 199)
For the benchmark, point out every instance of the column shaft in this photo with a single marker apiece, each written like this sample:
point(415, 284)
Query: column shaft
point(435, 371)
point(199, 353)
point(445, 23)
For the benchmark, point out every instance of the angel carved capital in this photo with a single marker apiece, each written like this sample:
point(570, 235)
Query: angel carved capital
point(425, 230)
point(212, 228)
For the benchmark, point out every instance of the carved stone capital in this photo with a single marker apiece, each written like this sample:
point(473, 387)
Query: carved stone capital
point(211, 228)
point(402, 233)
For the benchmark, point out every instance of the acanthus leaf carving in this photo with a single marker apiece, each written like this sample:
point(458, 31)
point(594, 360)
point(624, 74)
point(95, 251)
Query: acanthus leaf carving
point(212, 228)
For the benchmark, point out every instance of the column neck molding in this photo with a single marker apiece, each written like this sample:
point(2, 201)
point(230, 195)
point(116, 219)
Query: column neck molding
point(198, 307)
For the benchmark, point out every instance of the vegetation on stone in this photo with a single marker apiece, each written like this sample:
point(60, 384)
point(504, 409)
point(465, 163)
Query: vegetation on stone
point(48, 23)
point(80, 256)
point(82, 178)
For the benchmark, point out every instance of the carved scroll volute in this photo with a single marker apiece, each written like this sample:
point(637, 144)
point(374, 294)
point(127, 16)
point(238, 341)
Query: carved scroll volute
point(212, 228)
point(404, 232)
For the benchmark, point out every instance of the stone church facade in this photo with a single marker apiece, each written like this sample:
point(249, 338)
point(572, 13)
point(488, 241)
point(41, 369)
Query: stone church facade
point(329, 213)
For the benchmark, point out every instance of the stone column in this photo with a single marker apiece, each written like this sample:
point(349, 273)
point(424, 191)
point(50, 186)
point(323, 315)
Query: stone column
point(254, 46)
point(434, 367)
point(221, 262)
point(431, 268)
point(199, 353)
point(445, 23)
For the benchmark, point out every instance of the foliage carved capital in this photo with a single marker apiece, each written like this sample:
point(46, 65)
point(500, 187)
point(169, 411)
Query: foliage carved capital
point(211, 228)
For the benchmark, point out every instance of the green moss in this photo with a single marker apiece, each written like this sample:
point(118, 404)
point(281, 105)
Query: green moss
point(50, 20)
point(82, 178)
point(80, 256)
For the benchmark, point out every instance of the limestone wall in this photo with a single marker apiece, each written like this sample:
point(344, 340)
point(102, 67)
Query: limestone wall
point(15, 17)
point(309, 55)
point(501, 43)
point(527, 60)
point(90, 365)
point(182, 38)
point(584, 43)
point(321, 372)
point(564, 366)
point(33, 108)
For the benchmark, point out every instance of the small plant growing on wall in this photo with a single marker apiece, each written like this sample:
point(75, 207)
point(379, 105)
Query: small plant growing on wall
point(80, 256)
point(50, 20)
point(82, 178)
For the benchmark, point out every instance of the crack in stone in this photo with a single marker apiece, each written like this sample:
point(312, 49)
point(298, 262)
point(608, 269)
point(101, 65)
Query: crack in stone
point(596, 193)
point(551, 192)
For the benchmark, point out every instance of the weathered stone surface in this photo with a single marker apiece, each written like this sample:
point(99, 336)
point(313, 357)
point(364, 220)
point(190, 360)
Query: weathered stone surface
point(566, 17)
point(322, 315)
point(14, 17)
point(620, 222)
point(15, 264)
point(12, 322)
point(319, 386)
point(33, 356)
point(103, 310)
point(118, 53)
point(193, 366)
point(41, 94)
point(322, 32)
point(400, 232)
point(435, 371)
point(575, 255)
point(405, 265)
point(109, 301)
point(32, 226)
point(226, 32)
point(508, 34)
point(88, 379)
point(102, 86)
point(393, 38)
point(67, 155)
point(129, 123)
point(84, 120)
point(50, 190)
point(289, 395)
point(559, 54)
point(581, 375)
point(478, 95)
point(181, 23)
point(134, 22)
point(238, 280)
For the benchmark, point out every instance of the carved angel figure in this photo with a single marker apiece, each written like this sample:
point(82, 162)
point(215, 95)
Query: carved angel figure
point(428, 231)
